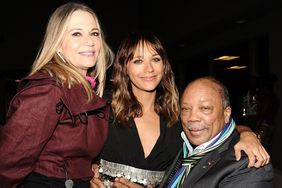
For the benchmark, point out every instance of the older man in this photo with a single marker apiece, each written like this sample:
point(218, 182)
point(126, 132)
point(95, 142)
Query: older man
point(207, 158)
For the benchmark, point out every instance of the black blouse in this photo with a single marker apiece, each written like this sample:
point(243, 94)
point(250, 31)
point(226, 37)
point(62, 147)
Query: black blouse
point(124, 146)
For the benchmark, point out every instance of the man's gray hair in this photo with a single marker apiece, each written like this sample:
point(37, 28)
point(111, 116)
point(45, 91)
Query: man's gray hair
point(222, 89)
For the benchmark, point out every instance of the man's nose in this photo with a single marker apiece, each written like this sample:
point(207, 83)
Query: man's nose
point(193, 115)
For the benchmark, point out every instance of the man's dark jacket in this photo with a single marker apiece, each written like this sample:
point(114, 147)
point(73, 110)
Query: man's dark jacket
point(219, 168)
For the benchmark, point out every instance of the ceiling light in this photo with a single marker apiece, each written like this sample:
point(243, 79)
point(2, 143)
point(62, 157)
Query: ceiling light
point(226, 58)
point(237, 67)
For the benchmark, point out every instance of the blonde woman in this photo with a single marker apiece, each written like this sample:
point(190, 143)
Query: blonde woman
point(57, 121)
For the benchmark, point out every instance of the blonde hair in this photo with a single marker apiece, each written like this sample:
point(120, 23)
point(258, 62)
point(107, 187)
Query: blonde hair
point(49, 61)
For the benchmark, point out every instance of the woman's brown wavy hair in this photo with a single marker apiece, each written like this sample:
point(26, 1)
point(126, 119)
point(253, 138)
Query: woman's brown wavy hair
point(124, 104)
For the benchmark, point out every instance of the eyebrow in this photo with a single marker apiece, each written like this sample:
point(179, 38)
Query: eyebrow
point(80, 29)
point(140, 57)
point(156, 54)
point(95, 28)
point(184, 103)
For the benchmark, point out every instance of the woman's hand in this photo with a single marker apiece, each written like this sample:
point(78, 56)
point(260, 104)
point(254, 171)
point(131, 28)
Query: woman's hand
point(95, 181)
point(124, 183)
point(250, 144)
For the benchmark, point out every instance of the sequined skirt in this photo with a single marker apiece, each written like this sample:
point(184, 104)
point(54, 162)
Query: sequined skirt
point(111, 170)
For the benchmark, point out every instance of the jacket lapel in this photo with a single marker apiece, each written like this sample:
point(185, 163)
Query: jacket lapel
point(76, 100)
point(201, 168)
point(206, 163)
point(175, 166)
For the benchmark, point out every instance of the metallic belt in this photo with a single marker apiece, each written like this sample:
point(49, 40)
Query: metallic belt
point(137, 175)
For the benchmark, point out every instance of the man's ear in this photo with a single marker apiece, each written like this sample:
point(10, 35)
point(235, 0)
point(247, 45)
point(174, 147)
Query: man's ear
point(227, 114)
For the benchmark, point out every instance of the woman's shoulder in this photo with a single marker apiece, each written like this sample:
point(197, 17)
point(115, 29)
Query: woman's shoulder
point(32, 91)
point(37, 79)
point(38, 86)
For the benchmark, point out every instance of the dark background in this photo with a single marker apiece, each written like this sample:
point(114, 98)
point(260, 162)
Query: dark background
point(193, 32)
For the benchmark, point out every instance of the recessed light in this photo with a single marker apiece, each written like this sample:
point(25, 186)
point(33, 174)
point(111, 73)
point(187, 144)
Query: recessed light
point(237, 67)
point(226, 58)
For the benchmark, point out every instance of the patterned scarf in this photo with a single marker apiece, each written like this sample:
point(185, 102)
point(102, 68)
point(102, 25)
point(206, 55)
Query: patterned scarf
point(189, 161)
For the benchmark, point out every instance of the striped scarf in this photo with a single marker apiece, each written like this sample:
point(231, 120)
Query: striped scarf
point(189, 161)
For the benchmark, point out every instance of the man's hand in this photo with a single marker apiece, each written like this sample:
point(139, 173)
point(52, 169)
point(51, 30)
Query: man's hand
point(250, 144)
